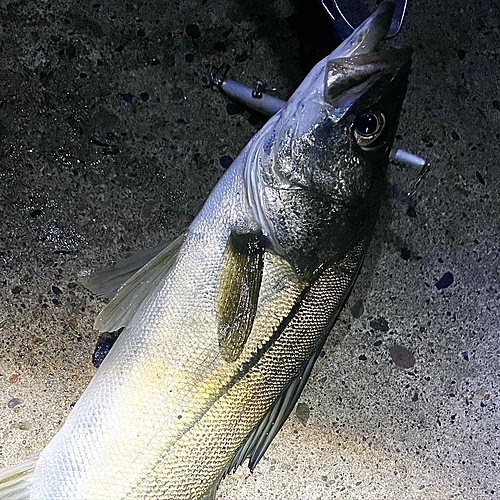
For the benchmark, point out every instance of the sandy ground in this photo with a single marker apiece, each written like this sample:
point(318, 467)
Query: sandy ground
point(111, 141)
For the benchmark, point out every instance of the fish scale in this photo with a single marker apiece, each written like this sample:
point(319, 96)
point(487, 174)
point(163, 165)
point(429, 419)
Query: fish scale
point(238, 410)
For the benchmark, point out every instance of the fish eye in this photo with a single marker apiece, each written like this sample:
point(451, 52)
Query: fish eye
point(368, 127)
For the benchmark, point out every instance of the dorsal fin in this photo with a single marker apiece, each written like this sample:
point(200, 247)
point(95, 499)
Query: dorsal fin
point(106, 282)
point(137, 289)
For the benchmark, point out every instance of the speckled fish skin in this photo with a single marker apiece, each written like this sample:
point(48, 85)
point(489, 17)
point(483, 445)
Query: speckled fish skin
point(167, 411)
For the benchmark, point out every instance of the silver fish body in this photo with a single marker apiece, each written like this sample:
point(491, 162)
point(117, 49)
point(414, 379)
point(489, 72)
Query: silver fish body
point(223, 327)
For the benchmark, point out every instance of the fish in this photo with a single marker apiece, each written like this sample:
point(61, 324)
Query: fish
point(221, 328)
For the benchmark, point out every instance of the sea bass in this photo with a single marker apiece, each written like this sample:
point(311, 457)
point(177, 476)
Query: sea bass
point(222, 327)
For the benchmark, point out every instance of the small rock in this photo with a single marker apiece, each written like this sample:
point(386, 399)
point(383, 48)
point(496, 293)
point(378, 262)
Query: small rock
point(176, 94)
point(445, 281)
point(21, 426)
point(15, 402)
point(127, 97)
point(410, 212)
point(149, 208)
point(405, 253)
point(402, 357)
point(241, 57)
point(302, 412)
point(357, 309)
point(380, 324)
point(220, 46)
point(225, 161)
point(35, 213)
point(193, 31)
point(234, 109)
point(13, 378)
point(169, 60)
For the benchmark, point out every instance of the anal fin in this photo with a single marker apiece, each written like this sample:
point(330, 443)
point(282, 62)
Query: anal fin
point(260, 438)
point(339, 278)
point(15, 481)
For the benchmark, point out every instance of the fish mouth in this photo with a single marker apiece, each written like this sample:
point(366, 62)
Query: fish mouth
point(365, 38)
point(346, 79)
point(354, 66)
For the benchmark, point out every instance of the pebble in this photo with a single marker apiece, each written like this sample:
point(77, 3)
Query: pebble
point(380, 324)
point(176, 94)
point(193, 31)
point(405, 253)
point(234, 109)
point(220, 46)
point(15, 402)
point(480, 178)
point(36, 213)
point(445, 281)
point(410, 212)
point(302, 412)
point(357, 309)
point(225, 161)
point(402, 357)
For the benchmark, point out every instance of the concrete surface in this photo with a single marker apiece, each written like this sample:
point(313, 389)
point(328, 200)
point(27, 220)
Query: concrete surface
point(110, 142)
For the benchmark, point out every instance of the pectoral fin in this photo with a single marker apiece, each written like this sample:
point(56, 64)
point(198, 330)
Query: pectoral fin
point(137, 289)
point(238, 291)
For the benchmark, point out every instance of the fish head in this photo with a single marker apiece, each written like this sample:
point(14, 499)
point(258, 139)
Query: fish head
point(356, 121)
point(325, 174)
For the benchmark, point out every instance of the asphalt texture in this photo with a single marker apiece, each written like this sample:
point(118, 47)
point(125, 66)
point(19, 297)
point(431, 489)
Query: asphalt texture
point(111, 140)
